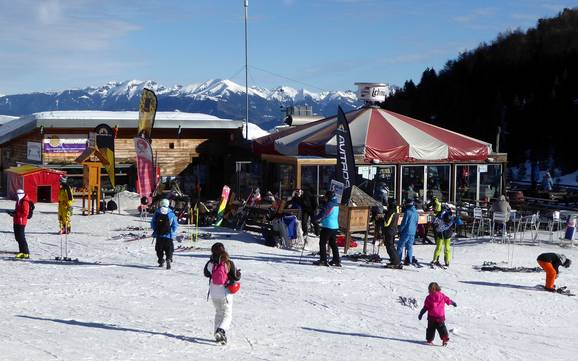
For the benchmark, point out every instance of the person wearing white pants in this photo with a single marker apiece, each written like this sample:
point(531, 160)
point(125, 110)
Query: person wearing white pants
point(223, 312)
point(222, 273)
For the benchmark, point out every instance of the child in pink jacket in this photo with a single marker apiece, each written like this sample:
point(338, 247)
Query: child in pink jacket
point(435, 304)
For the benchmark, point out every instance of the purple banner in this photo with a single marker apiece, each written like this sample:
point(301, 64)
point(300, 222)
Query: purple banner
point(64, 143)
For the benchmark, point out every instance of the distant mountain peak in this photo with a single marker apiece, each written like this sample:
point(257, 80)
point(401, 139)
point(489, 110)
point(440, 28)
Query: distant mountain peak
point(220, 97)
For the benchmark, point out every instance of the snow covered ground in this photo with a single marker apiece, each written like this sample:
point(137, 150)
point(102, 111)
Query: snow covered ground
point(117, 305)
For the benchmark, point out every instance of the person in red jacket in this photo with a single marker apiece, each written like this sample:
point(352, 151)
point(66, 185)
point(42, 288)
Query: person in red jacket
point(21, 211)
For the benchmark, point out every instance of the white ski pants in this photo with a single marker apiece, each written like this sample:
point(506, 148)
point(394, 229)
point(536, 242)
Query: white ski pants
point(223, 312)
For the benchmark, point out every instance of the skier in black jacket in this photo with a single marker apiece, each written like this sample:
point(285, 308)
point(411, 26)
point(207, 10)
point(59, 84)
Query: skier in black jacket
point(550, 262)
point(391, 218)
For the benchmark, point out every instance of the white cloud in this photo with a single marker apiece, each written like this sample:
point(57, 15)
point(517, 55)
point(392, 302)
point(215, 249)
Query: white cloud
point(58, 37)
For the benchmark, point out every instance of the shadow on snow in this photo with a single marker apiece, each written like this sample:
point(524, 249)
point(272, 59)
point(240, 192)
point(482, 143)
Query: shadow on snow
point(107, 326)
point(362, 335)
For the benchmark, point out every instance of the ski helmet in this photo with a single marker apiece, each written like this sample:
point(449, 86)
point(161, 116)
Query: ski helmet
point(234, 287)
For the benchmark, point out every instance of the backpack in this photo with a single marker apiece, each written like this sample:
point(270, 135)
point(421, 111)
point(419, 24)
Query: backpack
point(219, 274)
point(162, 224)
point(31, 207)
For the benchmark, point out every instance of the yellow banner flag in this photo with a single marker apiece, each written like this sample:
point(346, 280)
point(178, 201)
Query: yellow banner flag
point(147, 112)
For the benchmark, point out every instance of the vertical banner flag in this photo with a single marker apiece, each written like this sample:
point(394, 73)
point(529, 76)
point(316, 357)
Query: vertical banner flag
point(147, 112)
point(345, 167)
point(224, 199)
point(144, 167)
point(105, 143)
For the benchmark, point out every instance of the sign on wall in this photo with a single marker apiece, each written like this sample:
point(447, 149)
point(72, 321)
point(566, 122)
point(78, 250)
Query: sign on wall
point(34, 151)
point(64, 143)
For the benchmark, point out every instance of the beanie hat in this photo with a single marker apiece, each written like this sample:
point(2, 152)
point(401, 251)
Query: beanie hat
point(164, 202)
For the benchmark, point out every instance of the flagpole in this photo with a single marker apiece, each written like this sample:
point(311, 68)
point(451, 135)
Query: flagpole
point(246, 5)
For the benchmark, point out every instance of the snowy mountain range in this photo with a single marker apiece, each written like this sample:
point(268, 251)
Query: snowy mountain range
point(222, 98)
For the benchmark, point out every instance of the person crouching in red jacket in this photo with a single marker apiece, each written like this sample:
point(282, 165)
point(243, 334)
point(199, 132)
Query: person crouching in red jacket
point(21, 211)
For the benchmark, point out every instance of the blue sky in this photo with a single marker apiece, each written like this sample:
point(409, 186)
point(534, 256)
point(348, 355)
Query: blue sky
point(316, 44)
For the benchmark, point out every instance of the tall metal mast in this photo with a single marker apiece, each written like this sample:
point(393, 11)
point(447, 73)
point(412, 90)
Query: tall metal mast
point(246, 5)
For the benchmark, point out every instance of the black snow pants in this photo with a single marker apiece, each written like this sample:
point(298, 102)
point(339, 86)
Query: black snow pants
point(164, 246)
point(328, 235)
point(21, 238)
point(389, 238)
point(432, 326)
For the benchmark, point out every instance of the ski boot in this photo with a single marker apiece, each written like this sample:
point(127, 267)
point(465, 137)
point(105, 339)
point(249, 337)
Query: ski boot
point(320, 263)
point(220, 336)
point(334, 263)
point(22, 256)
point(394, 266)
point(445, 343)
point(161, 263)
point(168, 264)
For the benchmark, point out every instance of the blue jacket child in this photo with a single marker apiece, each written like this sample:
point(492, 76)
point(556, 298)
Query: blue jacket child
point(407, 230)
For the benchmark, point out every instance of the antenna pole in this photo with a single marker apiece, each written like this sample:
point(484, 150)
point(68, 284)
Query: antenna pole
point(246, 5)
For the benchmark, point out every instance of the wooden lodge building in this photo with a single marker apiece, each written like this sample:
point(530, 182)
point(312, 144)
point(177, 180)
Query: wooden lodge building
point(185, 145)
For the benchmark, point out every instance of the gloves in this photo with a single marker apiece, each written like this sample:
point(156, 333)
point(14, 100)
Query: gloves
point(454, 304)
point(421, 314)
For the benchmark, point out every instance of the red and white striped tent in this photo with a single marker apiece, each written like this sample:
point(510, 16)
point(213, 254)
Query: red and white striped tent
point(377, 134)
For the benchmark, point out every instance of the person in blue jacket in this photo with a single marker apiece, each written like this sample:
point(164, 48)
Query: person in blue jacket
point(329, 219)
point(407, 230)
point(164, 224)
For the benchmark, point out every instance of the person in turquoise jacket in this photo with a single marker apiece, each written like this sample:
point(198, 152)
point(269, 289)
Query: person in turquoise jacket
point(407, 230)
point(164, 224)
point(329, 219)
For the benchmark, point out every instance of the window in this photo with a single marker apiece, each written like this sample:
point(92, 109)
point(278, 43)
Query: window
point(490, 181)
point(466, 183)
point(438, 182)
point(412, 182)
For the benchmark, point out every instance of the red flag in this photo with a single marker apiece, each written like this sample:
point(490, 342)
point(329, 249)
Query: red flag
point(144, 167)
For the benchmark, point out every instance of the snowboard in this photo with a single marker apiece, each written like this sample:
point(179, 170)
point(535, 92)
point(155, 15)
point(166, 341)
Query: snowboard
point(222, 205)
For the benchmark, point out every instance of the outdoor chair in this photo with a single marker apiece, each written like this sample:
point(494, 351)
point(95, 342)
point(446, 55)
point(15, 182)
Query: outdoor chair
point(498, 220)
point(555, 222)
point(480, 221)
point(529, 223)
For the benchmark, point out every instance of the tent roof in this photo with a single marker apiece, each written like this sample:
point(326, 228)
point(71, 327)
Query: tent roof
point(377, 134)
point(30, 169)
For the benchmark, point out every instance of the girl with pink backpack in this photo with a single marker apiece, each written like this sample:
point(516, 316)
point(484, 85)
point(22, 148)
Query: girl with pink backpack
point(223, 283)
